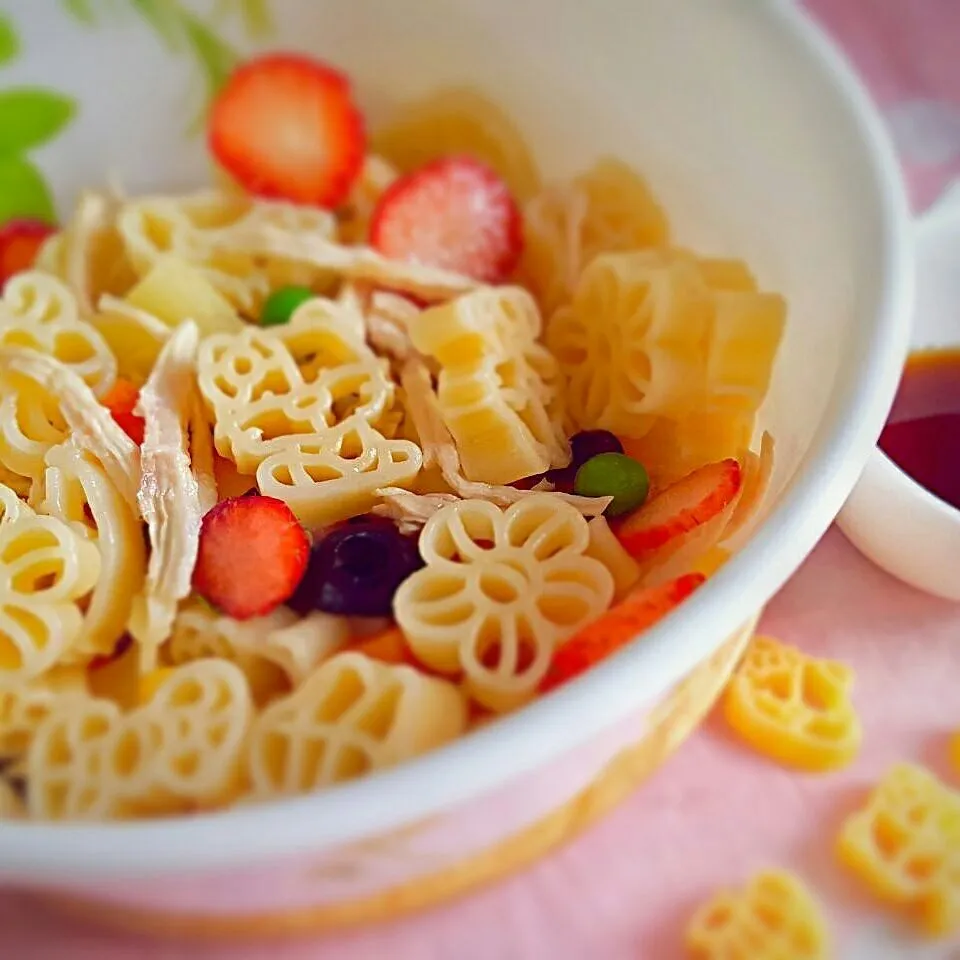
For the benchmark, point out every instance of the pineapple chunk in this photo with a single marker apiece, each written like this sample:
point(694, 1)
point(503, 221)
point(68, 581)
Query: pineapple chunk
point(175, 291)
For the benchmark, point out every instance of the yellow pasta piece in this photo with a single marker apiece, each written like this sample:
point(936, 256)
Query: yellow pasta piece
point(605, 547)
point(353, 715)
point(45, 569)
point(135, 337)
point(497, 389)
point(80, 493)
point(459, 120)
point(499, 592)
point(904, 844)
point(608, 209)
point(174, 290)
point(306, 431)
point(775, 917)
point(179, 752)
point(794, 708)
point(23, 708)
point(354, 217)
point(40, 312)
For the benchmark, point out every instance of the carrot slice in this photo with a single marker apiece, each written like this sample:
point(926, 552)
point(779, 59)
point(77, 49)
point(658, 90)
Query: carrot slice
point(684, 505)
point(618, 627)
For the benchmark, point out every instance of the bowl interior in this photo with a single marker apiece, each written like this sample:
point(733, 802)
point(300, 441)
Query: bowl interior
point(755, 143)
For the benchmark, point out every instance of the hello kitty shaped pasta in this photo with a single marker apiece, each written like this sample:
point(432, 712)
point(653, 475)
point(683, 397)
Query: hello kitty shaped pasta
point(308, 431)
point(498, 389)
point(499, 592)
point(904, 844)
point(793, 707)
point(179, 752)
point(197, 227)
point(45, 569)
point(40, 312)
point(353, 715)
point(774, 918)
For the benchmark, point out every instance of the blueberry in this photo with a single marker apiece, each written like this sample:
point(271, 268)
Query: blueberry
point(356, 569)
point(589, 443)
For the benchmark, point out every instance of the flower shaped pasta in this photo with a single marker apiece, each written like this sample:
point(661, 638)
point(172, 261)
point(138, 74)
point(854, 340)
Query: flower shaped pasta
point(179, 752)
point(353, 715)
point(38, 311)
point(794, 708)
point(308, 430)
point(23, 708)
point(905, 845)
point(774, 918)
point(499, 592)
point(45, 568)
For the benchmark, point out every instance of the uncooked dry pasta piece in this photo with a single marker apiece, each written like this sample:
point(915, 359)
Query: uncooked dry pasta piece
point(499, 592)
point(41, 312)
point(170, 497)
point(904, 844)
point(42, 403)
point(775, 917)
point(353, 715)
point(793, 707)
point(79, 492)
point(181, 751)
point(45, 569)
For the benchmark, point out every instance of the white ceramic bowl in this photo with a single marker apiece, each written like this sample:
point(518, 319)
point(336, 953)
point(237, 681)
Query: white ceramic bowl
point(891, 519)
point(761, 144)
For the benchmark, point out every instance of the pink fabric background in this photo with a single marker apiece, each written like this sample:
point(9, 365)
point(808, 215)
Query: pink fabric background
point(715, 813)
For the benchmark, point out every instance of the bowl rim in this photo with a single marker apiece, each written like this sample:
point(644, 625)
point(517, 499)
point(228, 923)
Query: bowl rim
point(542, 732)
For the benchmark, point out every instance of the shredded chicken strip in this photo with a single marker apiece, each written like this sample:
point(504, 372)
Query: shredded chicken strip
point(358, 263)
point(170, 496)
point(91, 425)
point(440, 450)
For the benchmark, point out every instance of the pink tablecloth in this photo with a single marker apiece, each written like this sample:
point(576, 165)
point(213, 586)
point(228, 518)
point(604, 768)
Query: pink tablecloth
point(715, 812)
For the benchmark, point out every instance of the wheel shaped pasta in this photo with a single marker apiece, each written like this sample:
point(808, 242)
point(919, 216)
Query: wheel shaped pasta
point(24, 707)
point(179, 752)
point(904, 844)
point(499, 592)
point(307, 432)
point(352, 716)
point(45, 568)
point(774, 918)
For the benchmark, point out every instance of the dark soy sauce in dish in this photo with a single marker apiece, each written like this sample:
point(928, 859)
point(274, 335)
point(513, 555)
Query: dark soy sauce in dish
point(922, 436)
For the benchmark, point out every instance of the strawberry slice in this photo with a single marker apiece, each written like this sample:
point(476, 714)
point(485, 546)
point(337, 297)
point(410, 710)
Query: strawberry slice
point(453, 213)
point(684, 505)
point(618, 627)
point(20, 242)
point(253, 553)
point(285, 126)
point(121, 400)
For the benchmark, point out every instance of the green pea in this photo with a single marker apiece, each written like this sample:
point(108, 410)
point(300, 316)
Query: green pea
point(613, 475)
point(280, 306)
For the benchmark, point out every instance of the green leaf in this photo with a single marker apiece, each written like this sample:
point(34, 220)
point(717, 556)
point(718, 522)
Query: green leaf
point(23, 191)
point(9, 41)
point(80, 10)
point(30, 117)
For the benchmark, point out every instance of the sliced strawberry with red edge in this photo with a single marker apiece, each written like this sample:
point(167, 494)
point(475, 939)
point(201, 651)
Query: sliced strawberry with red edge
point(616, 628)
point(253, 552)
point(455, 214)
point(684, 505)
point(20, 242)
point(285, 126)
point(121, 400)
